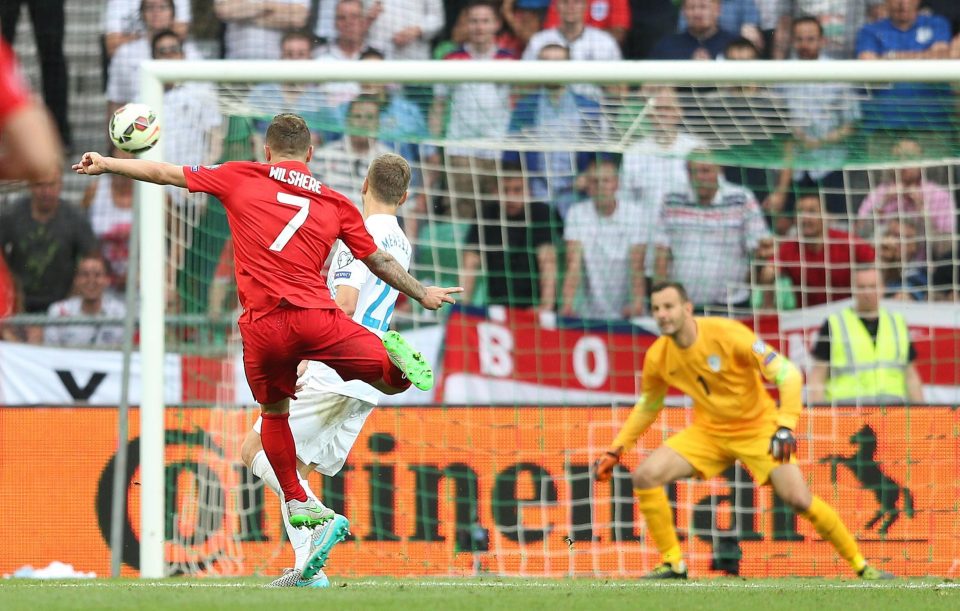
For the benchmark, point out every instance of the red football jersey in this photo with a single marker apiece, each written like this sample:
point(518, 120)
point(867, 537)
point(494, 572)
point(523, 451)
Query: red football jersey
point(826, 275)
point(603, 14)
point(13, 89)
point(283, 223)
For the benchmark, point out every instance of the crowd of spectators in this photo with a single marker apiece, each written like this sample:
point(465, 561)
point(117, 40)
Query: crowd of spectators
point(557, 229)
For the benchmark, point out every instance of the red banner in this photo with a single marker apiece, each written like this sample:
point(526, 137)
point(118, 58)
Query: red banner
point(513, 356)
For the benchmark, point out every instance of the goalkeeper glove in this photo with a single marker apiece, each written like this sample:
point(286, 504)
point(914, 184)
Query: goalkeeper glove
point(604, 467)
point(783, 445)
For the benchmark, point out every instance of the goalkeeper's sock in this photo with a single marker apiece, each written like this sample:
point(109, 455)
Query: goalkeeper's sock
point(829, 526)
point(281, 451)
point(655, 507)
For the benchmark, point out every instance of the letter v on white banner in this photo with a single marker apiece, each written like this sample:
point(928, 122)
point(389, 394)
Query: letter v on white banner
point(76, 391)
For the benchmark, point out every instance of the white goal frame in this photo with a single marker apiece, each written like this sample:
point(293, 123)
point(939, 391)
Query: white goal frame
point(154, 74)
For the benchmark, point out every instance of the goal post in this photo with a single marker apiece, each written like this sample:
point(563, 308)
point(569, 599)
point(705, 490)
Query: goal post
point(152, 353)
point(155, 274)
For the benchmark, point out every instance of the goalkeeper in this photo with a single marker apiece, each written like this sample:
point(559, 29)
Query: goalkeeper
point(718, 363)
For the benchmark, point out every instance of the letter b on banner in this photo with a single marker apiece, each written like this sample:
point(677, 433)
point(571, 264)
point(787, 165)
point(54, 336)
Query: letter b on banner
point(496, 350)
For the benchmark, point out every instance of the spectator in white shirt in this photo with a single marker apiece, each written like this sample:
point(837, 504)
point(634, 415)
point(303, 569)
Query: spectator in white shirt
point(192, 121)
point(656, 164)
point(254, 27)
point(585, 42)
point(350, 38)
point(91, 299)
point(477, 111)
point(109, 205)
point(123, 77)
point(124, 21)
point(708, 233)
point(403, 29)
point(605, 240)
point(349, 43)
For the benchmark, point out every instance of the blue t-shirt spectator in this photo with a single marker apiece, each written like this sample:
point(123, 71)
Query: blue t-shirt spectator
point(906, 105)
point(734, 14)
point(402, 128)
point(402, 125)
point(684, 44)
point(553, 118)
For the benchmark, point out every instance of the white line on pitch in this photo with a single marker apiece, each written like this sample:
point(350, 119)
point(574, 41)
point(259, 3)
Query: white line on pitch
point(500, 584)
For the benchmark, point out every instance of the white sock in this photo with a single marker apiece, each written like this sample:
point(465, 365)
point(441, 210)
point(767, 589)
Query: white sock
point(299, 537)
point(306, 488)
point(260, 466)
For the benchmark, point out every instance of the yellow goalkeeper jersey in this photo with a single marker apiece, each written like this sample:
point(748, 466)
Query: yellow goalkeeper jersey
point(723, 373)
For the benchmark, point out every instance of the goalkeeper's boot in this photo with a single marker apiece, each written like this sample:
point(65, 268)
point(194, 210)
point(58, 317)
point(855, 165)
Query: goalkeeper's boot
point(293, 578)
point(322, 541)
point(870, 573)
point(309, 513)
point(408, 360)
point(668, 571)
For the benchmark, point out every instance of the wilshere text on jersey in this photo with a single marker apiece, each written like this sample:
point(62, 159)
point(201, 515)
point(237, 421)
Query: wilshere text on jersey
point(295, 178)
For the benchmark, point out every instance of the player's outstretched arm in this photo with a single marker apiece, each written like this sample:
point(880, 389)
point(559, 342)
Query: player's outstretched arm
point(157, 172)
point(385, 267)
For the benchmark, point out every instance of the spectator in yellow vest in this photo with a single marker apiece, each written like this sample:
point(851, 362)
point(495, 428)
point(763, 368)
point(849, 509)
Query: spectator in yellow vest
point(863, 354)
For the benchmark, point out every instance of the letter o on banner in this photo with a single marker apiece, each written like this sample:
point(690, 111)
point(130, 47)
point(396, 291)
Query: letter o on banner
point(587, 346)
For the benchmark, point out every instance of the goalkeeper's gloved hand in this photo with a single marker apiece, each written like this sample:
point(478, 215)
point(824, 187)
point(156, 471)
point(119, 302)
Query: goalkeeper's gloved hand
point(603, 468)
point(783, 445)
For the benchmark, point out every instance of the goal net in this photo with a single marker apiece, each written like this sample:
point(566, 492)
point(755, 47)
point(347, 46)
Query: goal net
point(557, 193)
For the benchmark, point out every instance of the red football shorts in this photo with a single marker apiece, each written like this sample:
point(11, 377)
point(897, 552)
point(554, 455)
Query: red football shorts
point(274, 344)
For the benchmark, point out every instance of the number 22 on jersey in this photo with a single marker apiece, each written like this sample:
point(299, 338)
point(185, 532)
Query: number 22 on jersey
point(370, 319)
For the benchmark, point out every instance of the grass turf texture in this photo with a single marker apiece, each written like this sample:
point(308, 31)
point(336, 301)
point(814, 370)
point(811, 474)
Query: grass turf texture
point(486, 594)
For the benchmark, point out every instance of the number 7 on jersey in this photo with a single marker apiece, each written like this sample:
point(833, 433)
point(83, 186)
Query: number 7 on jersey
point(295, 223)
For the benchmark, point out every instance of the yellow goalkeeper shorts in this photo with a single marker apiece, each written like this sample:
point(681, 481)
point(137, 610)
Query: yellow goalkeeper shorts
point(711, 454)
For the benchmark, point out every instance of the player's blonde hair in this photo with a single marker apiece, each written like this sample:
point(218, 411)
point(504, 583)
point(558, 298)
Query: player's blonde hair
point(388, 177)
point(288, 135)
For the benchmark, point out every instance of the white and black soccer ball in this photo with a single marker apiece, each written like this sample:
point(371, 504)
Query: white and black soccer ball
point(134, 128)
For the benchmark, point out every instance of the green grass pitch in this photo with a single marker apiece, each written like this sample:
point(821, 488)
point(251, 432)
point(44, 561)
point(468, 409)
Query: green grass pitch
point(486, 594)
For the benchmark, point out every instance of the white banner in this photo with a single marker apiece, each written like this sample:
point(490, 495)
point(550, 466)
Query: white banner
point(37, 375)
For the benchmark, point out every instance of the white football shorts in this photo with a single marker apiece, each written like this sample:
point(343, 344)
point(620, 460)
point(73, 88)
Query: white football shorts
point(325, 426)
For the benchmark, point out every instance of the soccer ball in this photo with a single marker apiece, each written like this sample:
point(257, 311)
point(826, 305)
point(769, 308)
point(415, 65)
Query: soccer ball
point(134, 128)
